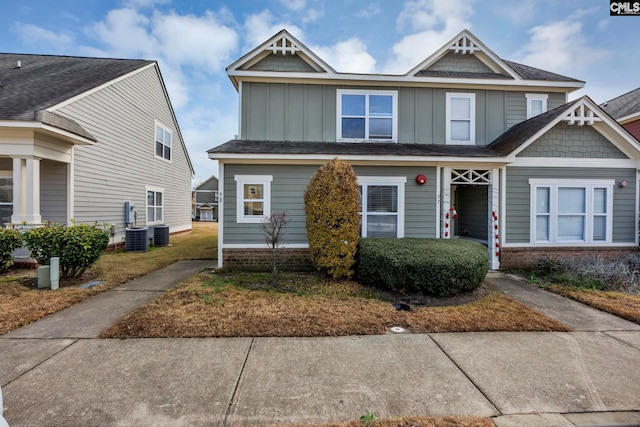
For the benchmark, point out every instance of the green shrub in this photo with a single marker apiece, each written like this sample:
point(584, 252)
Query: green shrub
point(78, 247)
point(440, 267)
point(10, 240)
point(331, 202)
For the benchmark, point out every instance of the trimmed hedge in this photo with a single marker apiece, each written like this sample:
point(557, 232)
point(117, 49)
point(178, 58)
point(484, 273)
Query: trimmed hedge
point(78, 246)
point(440, 267)
point(10, 240)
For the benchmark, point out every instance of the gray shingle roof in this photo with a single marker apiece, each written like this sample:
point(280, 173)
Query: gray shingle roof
point(349, 148)
point(43, 81)
point(518, 134)
point(462, 75)
point(623, 105)
point(531, 73)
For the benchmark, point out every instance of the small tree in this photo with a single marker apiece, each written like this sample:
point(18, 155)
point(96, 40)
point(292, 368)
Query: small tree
point(274, 229)
point(332, 206)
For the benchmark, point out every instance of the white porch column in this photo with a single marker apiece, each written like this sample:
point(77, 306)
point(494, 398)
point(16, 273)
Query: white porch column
point(494, 220)
point(446, 203)
point(26, 191)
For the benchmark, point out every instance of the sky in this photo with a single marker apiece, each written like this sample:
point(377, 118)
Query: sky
point(195, 40)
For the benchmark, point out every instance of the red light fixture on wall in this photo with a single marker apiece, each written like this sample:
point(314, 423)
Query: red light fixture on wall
point(421, 179)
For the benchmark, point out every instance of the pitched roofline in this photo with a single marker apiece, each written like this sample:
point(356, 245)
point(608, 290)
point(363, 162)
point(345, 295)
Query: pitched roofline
point(446, 47)
point(246, 58)
point(37, 125)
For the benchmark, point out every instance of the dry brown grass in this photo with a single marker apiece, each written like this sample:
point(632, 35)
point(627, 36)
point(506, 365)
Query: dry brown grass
point(21, 304)
point(621, 304)
point(414, 421)
point(227, 306)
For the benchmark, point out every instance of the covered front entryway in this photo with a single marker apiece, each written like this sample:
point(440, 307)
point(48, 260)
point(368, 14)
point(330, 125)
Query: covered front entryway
point(470, 208)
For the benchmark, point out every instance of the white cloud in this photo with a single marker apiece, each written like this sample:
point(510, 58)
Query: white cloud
point(260, 27)
point(34, 35)
point(349, 56)
point(433, 23)
point(294, 4)
point(313, 15)
point(520, 12)
point(371, 10)
point(561, 47)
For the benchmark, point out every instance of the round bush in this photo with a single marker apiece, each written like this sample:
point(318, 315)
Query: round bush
point(440, 267)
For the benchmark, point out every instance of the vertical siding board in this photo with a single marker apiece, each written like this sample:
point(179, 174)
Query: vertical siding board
point(439, 116)
point(314, 110)
point(406, 115)
point(276, 106)
point(424, 117)
point(257, 120)
point(294, 117)
point(287, 194)
point(481, 117)
point(329, 114)
point(495, 115)
point(518, 199)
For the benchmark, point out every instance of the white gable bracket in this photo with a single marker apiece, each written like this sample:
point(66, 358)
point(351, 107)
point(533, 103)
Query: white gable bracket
point(464, 45)
point(582, 115)
point(283, 45)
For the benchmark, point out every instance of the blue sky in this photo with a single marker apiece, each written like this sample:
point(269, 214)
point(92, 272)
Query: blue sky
point(194, 40)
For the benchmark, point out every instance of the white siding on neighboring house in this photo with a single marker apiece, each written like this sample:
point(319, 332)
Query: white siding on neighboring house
point(122, 117)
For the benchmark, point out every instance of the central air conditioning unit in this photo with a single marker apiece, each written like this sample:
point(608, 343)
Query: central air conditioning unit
point(135, 240)
point(161, 235)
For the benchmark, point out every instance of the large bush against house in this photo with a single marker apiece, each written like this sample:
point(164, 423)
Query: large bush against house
point(333, 220)
point(78, 246)
point(10, 240)
point(440, 267)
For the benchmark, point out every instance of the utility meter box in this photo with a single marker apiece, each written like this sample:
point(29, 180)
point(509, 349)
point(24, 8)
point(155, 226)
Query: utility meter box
point(129, 213)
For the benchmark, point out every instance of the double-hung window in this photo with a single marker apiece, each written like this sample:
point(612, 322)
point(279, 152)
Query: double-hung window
point(461, 118)
point(155, 200)
point(571, 211)
point(367, 115)
point(382, 203)
point(253, 194)
point(536, 104)
point(163, 142)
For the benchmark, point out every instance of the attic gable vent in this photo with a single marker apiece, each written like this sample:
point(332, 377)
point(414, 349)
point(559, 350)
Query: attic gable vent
point(283, 45)
point(464, 45)
point(580, 115)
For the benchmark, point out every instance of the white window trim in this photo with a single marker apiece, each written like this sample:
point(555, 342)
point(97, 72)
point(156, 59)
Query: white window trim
point(398, 181)
point(472, 130)
point(589, 186)
point(241, 181)
point(536, 97)
point(146, 204)
point(168, 129)
point(394, 118)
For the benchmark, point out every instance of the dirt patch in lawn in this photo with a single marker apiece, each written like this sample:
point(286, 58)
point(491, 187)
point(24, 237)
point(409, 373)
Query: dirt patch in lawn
point(241, 305)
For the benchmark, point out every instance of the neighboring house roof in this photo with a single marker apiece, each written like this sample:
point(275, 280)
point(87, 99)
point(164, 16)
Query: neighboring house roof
point(209, 184)
point(32, 83)
point(624, 107)
point(531, 73)
point(244, 147)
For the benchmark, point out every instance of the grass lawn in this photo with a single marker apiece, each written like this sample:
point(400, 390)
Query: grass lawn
point(243, 304)
point(21, 304)
point(622, 305)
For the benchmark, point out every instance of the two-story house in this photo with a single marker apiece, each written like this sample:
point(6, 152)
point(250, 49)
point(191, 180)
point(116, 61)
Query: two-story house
point(80, 137)
point(464, 145)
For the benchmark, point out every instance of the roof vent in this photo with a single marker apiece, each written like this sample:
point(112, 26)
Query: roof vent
point(19, 64)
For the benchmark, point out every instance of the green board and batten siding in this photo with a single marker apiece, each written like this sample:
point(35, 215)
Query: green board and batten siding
point(287, 194)
point(518, 209)
point(295, 112)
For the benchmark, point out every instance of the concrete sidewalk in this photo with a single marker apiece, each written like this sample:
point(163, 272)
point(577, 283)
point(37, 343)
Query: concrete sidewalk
point(585, 378)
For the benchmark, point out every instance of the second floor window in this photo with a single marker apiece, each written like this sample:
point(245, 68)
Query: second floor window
point(367, 115)
point(461, 118)
point(163, 142)
point(536, 104)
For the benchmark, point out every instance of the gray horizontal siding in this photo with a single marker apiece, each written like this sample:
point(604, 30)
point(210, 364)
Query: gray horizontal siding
point(287, 194)
point(295, 112)
point(53, 191)
point(119, 166)
point(518, 199)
